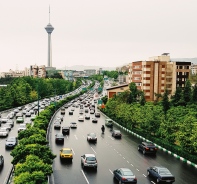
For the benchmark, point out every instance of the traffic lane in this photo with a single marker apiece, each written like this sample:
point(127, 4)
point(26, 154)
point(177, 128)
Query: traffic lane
point(104, 172)
point(183, 172)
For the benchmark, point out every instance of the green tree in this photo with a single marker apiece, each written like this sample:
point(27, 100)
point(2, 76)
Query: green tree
point(187, 92)
point(165, 102)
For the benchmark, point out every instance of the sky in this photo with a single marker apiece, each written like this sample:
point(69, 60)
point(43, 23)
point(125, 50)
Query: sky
point(107, 33)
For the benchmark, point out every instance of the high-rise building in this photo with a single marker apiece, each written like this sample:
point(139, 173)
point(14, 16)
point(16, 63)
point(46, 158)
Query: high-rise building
point(49, 28)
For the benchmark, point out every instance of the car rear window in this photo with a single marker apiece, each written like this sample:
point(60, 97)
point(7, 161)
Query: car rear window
point(90, 158)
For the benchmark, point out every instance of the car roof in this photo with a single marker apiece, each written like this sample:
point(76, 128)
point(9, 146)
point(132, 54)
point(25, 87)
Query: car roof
point(125, 169)
point(148, 143)
point(89, 155)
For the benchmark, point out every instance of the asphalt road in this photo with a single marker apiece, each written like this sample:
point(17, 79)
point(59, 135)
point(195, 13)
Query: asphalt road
point(111, 154)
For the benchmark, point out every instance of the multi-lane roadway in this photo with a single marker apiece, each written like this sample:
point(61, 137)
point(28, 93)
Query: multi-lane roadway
point(111, 154)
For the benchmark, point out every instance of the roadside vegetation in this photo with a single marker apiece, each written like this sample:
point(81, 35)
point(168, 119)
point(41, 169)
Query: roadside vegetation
point(170, 122)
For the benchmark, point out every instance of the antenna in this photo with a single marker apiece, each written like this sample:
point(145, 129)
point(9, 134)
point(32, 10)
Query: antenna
point(49, 13)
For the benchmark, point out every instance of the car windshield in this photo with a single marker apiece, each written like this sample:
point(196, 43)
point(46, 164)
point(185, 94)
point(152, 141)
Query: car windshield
point(164, 171)
point(127, 173)
point(91, 158)
point(67, 151)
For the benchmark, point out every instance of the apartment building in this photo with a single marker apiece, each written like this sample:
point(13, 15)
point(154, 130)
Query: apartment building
point(89, 72)
point(193, 69)
point(157, 74)
point(38, 71)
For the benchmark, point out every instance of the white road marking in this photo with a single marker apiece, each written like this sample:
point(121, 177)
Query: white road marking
point(123, 157)
point(93, 150)
point(144, 175)
point(131, 164)
point(111, 137)
point(110, 171)
point(83, 136)
point(137, 169)
point(85, 177)
point(76, 137)
point(152, 182)
point(120, 154)
point(73, 151)
point(127, 161)
point(66, 137)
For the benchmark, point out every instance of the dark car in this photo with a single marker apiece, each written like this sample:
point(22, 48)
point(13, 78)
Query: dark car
point(124, 175)
point(11, 142)
point(70, 113)
point(1, 161)
point(116, 134)
point(65, 130)
point(91, 137)
point(147, 147)
point(59, 138)
point(161, 174)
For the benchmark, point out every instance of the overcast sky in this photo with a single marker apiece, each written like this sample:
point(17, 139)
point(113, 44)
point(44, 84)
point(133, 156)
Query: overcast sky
point(105, 33)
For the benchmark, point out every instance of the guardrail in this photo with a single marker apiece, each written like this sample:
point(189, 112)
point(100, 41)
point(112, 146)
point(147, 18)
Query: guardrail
point(9, 178)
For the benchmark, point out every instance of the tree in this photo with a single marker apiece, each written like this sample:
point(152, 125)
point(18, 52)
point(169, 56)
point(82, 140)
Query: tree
point(187, 92)
point(133, 93)
point(194, 94)
point(165, 101)
point(177, 98)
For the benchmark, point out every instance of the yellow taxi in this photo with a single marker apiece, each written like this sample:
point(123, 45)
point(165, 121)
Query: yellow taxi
point(66, 153)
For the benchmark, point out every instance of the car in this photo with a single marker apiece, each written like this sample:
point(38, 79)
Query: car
point(70, 113)
point(31, 111)
point(91, 137)
point(7, 126)
point(66, 153)
point(59, 138)
point(62, 110)
point(28, 114)
point(11, 142)
point(89, 160)
point(81, 111)
point(116, 134)
point(97, 114)
point(11, 122)
point(65, 130)
point(94, 120)
point(91, 111)
point(11, 115)
point(57, 125)
point(80, 118)
point(72, 109)
point(19, 114)
point(147, 147)
point(4, 132)
point(22, 127)
point(86, 110)
point(108, 122)
point(1, 161)
point(16, 111)
point(87, 116)
point(20, 120)
point(161, 174)
point(124, 175)
point(66, 106)
point(3, 120)
point(59, 118)
point(73, 125)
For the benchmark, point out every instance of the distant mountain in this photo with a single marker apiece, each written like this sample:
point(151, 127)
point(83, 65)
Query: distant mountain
point(192, 60)
point(82, 67)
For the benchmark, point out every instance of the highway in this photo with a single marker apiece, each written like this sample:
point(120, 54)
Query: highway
point(111, 154)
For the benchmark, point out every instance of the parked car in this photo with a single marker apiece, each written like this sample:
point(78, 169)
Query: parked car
point(21, 127)
point(97, 114)
point(108, 122)
point(11, 142)
point(94, 120)
point(73, 125)
point(66, 153)
point(59, 138)
point(65, 130)
point(4, 132)
point(91, 137)
point(1, 161)
point(161, 174)
point(57, 125)
point(147, 147)
point(89, 160)
point(124, 175)
point(80, 118)
point(116, 134)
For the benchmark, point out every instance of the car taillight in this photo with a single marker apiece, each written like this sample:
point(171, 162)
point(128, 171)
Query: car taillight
point(147, 148)
point(124, 179)
point(135, 178)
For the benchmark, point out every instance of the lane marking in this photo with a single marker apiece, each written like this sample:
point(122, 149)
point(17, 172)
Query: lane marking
point(110, 171)
point(120, 155)
point(73, 151)
point(137, 169)
point(152, 182)
point(66, 137)
point(93, 150)
point(144, 175)
point(132, 165)
point(127, 161)
point(85, 177)
point(123, 157)
point(76, 137)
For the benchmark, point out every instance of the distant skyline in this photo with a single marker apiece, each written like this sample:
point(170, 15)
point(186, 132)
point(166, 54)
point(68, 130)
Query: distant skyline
point(106, 33)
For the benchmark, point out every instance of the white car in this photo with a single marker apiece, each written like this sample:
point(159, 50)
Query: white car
point(4, 132)
point(89, 160)
point(73, 125)
point(81, 118)
point(22, 127)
